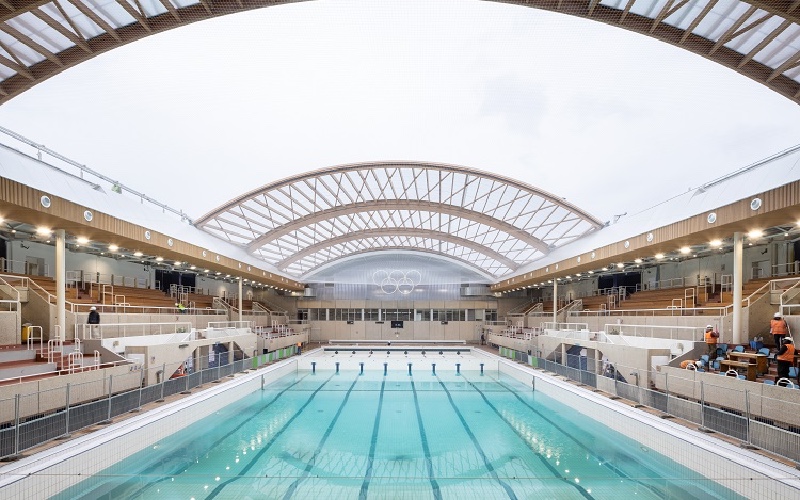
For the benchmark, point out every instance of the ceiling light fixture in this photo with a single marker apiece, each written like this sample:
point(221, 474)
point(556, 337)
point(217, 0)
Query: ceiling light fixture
point(715, 243)
point(686, 250)
point(43, 230)
point(659, 256)
point(159, 259)
point(755, 234)
point(83, 240)
point(113, 248)
point(137, 254)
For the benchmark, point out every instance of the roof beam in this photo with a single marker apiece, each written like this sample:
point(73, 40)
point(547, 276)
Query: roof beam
point(30, 43)
point(697, 20)
point(766, 41)
point(171, 8)
point(397, 231)
point(459, 260)
point(72, 36)
point(102, 24)
point(399, 204)
point(139, 16)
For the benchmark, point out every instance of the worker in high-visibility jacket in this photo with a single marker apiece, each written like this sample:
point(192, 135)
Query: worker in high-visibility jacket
point(785, 357)
point(711, 337)
point(778, 328)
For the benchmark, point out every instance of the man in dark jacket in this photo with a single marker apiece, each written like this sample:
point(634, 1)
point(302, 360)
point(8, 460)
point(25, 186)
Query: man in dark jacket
point(94, 319)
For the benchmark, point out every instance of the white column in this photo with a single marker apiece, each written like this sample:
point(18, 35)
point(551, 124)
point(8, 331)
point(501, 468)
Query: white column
point(737, 288)
point(61, 280)
point(555, 302)
point(240, 298)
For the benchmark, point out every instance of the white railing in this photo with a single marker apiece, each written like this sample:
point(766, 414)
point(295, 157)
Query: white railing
point(54, 346)
point(230, 324)
point(23, 267)
point(32, 337)
point(114, 330)
point(787, 306)
point(688, 333)
point(74, 361)
point(565, 326)
point(668, 311)
point(786, 269)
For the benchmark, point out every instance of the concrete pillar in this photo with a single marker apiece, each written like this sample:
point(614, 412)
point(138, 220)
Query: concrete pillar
point(240, 298)
point(61, 281)
point(564, 353)
point(737, 288)
point(555, 301)
point(598, 360)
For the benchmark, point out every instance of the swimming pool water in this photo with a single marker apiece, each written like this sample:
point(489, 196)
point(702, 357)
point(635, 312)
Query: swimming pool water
point(345, 435)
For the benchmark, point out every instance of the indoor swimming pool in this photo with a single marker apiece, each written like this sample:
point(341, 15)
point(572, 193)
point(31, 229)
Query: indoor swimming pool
point(349, 435)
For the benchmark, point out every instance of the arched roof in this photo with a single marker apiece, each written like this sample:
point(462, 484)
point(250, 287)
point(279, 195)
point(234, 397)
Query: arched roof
point(479, 219)
point(759, 39)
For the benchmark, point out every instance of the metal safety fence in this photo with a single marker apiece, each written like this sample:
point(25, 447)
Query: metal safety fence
point(729, 406)
point(29, 420)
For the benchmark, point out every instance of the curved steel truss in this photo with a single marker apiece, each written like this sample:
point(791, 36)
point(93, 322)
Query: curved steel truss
point(759, 39)
point(487, 221)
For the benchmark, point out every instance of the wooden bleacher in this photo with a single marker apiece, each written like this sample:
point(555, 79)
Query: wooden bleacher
point(595, 302)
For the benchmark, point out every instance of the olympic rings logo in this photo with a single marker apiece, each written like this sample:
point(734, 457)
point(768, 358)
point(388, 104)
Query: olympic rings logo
point(396, 281)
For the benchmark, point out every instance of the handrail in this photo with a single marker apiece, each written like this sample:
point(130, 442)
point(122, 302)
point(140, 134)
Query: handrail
point(637, 312)
point(52, 345)
point(32, 338)
point(74, 361)
point(784, 299)
point(163, 329)
point(15, 291)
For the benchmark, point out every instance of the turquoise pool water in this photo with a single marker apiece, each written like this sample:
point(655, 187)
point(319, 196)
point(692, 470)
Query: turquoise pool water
point(346, 435)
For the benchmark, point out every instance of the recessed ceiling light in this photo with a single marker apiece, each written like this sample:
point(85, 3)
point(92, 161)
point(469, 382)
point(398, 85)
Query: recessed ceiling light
point(755, 233)
point(113, 248)
point(137, 254)
point(659, 256)
point(177, 263)
point(638, 261)
point(620, 265)
point(193, 267)
point(686, 250)
point(591, 272)
point(159, 259)
point(715, 243)
point(83, 240)
point(43, 230)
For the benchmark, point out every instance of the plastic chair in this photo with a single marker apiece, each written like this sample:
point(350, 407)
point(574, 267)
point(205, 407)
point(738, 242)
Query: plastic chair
point(769, 382)
point(715, 363)
point(742, 377)
point(738, 348)
point(704, 359)
point(793, 372)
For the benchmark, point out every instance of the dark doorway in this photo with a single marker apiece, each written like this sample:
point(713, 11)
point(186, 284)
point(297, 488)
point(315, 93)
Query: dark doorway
point(166, 279)
point(629, 281)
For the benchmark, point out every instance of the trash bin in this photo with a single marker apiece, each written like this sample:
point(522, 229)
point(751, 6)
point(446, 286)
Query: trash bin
point(26, 331)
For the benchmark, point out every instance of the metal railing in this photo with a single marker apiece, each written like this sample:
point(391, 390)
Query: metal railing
point(113, 330)
point(755, 415)
point(690, 333)
point(28, 420)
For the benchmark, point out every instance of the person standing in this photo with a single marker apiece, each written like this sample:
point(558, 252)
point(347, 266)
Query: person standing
point(778, 328)
point(785, 357)
point(94, 319)
point(711, 337)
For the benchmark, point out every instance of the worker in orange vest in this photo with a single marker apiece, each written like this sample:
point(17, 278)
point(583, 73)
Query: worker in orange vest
point(778, 328)
point(785, 357)
point(711, 341)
